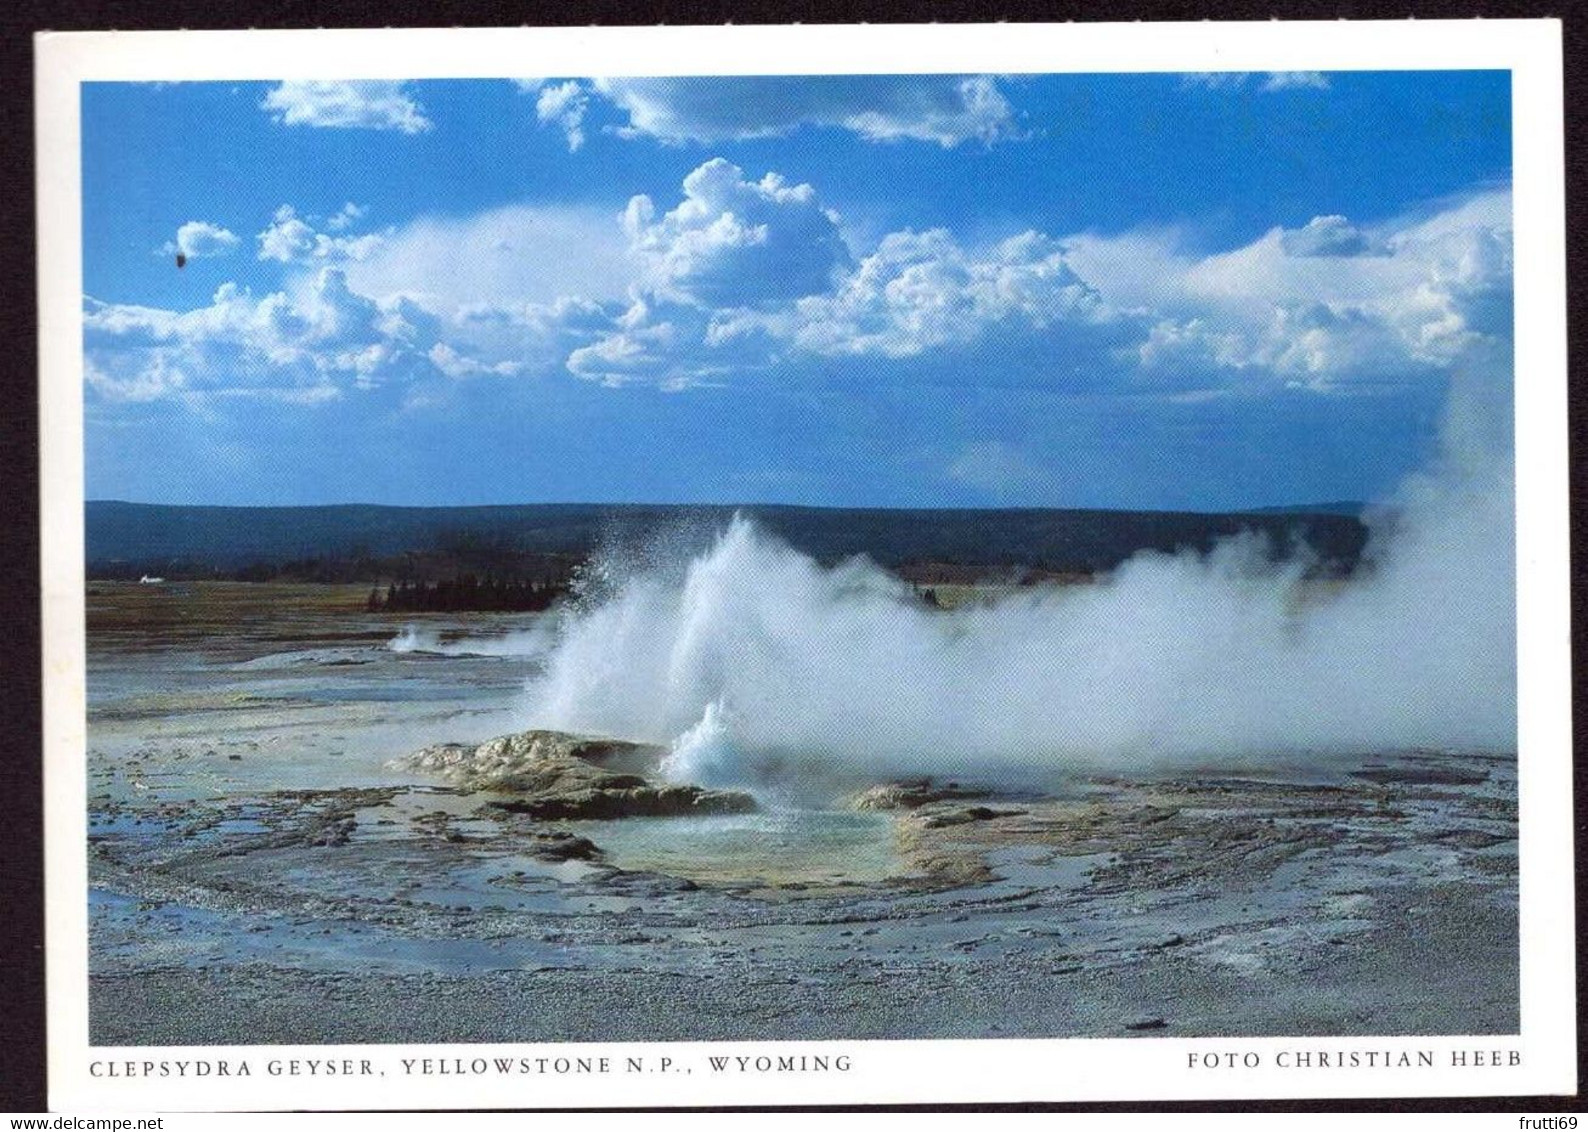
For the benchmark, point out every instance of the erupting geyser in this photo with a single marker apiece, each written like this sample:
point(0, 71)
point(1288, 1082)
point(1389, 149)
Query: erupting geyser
point(752, 655)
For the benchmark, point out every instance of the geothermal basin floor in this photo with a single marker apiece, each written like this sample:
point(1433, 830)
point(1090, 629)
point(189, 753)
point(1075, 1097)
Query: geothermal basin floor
point(259, 874)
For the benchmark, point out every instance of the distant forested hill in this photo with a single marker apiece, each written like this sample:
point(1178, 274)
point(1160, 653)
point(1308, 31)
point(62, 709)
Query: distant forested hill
point(365, 540)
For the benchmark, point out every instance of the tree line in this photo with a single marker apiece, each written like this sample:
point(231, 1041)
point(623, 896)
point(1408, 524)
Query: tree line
point(465, 594)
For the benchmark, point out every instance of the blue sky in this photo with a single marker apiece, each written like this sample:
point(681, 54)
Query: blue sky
point(1180, 291)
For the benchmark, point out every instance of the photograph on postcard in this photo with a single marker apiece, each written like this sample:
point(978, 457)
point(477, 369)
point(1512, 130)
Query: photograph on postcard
point(800, 557)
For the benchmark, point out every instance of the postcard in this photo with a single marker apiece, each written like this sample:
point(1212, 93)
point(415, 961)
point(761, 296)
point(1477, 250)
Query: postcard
point(805, 565)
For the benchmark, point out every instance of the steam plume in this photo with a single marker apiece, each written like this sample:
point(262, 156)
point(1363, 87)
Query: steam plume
point(750, 655)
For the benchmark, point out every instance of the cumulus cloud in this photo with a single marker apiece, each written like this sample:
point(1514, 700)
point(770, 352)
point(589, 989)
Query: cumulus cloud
point(361, 105)
point(501, 257)
point(290, 238)
point(670, 344)
point(1138, 269)
point(1296, 80)
point(1266, 80)
point(644, 352)
point(1192, 344)
point(269, 345)
point(737, 242)
point(345, 217)
point(1329, 236)
point(921, 291)
point(947, 110)
point(1332, 306)
point(199, 239)
point(744, 277)
point(311, 346)
point(438, 300)
point(564, 104)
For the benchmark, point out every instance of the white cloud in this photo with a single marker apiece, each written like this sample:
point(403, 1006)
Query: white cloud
point(120, 375)
point(1140, 269)
point(667, 344)
point(287, 239)
point(943, 109)
point(435, 300)
point(345, 217)
point(639, 354)
point(722, 295)
point(921, 291)
point(1296, 80)
point(995, 468)
point(320, 339)
point(1331, 306)
point(1322, 346)
point(736, 242)
point(502, 257)
point(1269, 80)
point(565, 105)
point(310, 348)
point(366, 105)
point(1308, 345)
point(747, 277)
point(449, 361)
point(1190, 344)
point(199, 239)
point(1335, 306)
point(1329, 236)
point(291, 239)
